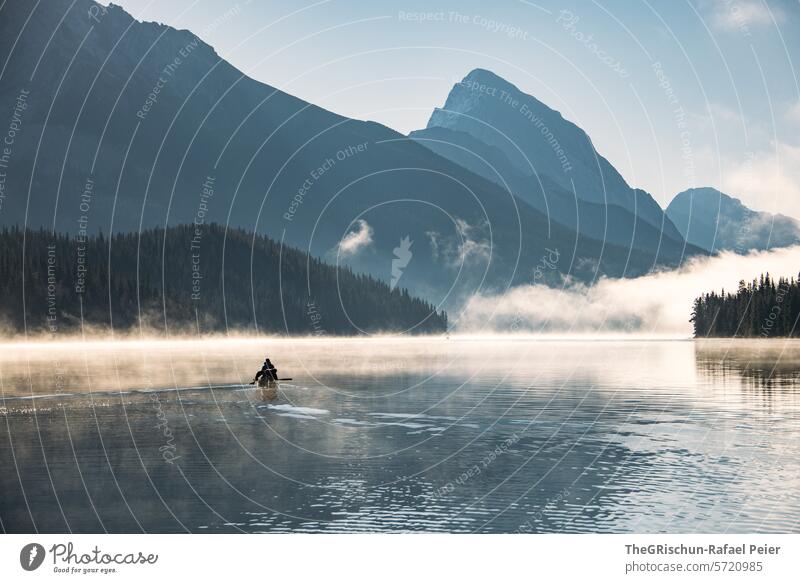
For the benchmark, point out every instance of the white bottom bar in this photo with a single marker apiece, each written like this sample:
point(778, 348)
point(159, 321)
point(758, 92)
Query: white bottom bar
point(404, 557)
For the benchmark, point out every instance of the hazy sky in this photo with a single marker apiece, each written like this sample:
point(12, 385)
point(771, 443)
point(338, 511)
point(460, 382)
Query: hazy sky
point(675, 93)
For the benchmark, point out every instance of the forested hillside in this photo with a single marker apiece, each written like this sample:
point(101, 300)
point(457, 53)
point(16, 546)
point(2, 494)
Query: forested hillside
point(764, 308)
point(188, 279)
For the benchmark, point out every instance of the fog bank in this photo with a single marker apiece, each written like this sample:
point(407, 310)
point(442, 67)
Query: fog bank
point(658, 303)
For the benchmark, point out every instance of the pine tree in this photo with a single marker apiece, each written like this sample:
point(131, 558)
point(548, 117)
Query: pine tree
point(763, 308)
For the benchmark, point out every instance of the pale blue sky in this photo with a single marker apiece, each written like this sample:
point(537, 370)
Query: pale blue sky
point(729, 119)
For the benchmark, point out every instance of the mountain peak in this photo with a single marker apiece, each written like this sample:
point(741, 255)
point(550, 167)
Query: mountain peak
point(538, 140)
point(483, 75)
point(707, 200)
point(483, 95)
point(704, 191)
point(716, 221)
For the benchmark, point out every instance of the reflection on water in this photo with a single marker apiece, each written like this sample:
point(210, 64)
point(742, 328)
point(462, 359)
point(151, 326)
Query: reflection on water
point(460, 435)
point(757, 364)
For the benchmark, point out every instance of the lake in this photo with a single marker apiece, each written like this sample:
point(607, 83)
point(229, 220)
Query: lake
point(466, 434)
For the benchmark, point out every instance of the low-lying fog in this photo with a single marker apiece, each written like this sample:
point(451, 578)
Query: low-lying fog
point(77, 367)
point(659, 303)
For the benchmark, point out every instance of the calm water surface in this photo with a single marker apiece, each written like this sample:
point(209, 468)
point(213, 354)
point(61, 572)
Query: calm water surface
point(459, 435)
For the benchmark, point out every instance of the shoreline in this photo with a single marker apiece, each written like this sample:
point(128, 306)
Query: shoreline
point(245, 339)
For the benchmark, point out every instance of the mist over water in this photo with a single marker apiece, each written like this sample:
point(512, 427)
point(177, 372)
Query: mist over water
point(659, 303)
point(486, 434)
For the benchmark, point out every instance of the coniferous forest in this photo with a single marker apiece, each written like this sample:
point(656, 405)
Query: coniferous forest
point(188, 280)
point(764, 308)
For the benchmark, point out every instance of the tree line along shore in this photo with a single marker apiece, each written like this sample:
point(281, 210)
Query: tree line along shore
point(763, 308)
point(178, 280)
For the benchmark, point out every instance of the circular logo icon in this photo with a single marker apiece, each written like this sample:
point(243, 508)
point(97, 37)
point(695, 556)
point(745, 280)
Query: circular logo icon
point(31, 556)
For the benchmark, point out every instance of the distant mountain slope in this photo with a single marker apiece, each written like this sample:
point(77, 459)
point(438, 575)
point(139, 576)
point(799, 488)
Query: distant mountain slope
point(605, 222)
point(131, 125)
point(536, 139)
point(186, 280)
point(715, 221)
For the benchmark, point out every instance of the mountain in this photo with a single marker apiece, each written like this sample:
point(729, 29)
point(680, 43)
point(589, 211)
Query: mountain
point(125, 125)
point(610, 223)
point(521, 141)
point(184, 279)
point(715, 221)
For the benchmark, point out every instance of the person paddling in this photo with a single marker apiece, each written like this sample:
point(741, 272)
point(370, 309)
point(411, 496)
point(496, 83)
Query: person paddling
point(268, 372)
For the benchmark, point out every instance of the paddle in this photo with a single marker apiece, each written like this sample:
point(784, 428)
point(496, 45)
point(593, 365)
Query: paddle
point(286, 379)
